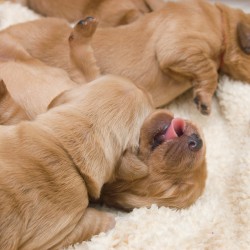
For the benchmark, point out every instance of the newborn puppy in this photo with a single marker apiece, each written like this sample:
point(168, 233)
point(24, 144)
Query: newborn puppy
point(54, 43)
point(52, 166)
point(172, 150)
point(28, 91)
point(183, 45)
point(108, 12)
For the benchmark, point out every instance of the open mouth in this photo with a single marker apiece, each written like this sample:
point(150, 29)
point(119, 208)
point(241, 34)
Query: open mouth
point(170, 131)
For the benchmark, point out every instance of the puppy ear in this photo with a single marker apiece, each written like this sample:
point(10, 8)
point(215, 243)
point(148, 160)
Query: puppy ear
point(62, 98)
point(243, 33)
point(131, 168)
point(3, 89)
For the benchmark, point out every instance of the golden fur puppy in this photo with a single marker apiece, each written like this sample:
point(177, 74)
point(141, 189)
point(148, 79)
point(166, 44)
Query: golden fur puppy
point(186, 184)
point(28, 92)
point(108, 12)
point(52, 166)
point(55, 43)
point(183, 45)
point(174, 152)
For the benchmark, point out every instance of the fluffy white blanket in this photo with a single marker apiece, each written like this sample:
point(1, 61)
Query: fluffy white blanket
point(220, 219)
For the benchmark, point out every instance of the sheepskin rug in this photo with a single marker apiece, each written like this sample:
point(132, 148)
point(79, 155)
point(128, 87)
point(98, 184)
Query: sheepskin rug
point(220, 219)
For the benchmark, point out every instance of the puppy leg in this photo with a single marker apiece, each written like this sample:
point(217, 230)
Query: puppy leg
point(81, 52)
point(92, 223)
point(200, 69)
point(205, 83)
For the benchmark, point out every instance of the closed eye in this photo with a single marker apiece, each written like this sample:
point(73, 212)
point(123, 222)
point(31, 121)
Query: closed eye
point(159, 138)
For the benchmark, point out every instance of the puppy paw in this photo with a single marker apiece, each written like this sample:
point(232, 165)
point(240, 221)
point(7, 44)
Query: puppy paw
point(86, 27)
point(95, 222)
point(111, 222)
point(108, 222)
point(203, 103)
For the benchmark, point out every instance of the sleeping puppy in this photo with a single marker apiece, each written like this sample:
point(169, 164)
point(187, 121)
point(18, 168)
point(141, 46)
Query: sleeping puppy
point(174, 152)
point(108, 12)
point(174, 51)
point(171, 157)
point(56, 45)
point(28, 92)
point(52, 166)
point(181, 46)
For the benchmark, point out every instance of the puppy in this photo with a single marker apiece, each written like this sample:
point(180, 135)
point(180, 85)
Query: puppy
point(173, 150)
point(181, 46)
point(175, 50)
point(28, 91)
point(52, 166)
point(154, 163)
point(108, 12)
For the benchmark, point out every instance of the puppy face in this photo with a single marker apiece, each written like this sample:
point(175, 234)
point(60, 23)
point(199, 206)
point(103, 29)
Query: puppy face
point(173, 150)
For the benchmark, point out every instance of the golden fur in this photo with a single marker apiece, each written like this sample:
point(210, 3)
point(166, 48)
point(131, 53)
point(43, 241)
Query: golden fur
point(176, 170)
point(11, 112)
point(34, 85)
point(52, 166)
point(167, 51)
point(182, 45)
point(94, 125)
point(108, 12)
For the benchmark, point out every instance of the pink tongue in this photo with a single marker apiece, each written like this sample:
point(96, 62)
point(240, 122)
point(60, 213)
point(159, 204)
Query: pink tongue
point(175, 129)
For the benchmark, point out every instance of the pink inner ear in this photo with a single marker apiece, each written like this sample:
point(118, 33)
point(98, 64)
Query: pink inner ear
point(175, 129)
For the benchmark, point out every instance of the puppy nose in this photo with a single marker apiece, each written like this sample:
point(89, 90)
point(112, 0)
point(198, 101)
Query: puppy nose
point(195, 143)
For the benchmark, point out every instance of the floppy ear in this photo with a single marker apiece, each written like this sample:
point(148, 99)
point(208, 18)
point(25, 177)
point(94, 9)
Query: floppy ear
point(243, 33)
point(62, 98)
point(3, 89)
point(131, 168)
point(58, 100)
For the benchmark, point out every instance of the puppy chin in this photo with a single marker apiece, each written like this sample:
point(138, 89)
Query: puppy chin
point(174, 151)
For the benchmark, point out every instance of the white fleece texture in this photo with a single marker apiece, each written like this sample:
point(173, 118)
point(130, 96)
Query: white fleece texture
point(220, 219)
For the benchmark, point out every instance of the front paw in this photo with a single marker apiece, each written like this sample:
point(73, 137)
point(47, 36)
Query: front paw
point(87, 26)
point(203, 103)
point(84, 29)
point(108, 222)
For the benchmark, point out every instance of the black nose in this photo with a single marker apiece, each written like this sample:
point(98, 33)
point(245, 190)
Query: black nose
point(195, 143)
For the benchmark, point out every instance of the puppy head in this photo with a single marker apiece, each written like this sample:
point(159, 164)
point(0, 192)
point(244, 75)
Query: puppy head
point(236, 61)
point(174, 152)
point(10, 111)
